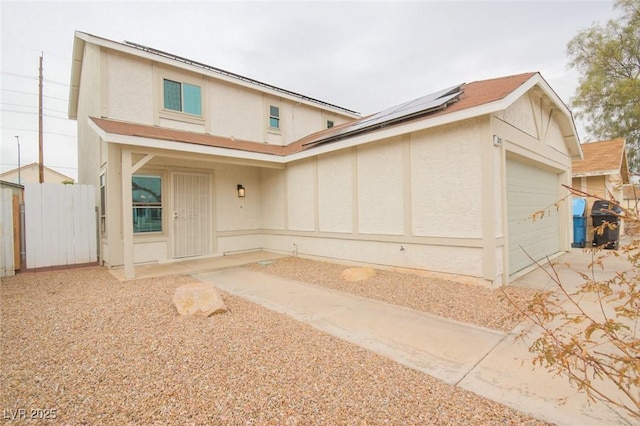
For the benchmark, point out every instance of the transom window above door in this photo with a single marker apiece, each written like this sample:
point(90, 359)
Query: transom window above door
point(182, 97)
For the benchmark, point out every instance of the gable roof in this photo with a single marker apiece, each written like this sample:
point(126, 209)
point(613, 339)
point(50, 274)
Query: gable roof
point(602, 158)
point(81, 38)
point(462, 97)
point(35, 164)
point(462, 102)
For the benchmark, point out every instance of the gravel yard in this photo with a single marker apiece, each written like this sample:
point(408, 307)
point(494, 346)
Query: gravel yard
point(461, 302)
point(98, 351)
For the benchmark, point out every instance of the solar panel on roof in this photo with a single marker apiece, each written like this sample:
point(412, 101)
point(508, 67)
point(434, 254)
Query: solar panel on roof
point(404, 111)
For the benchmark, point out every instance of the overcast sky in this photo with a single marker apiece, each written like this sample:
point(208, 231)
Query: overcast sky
point(365, 56)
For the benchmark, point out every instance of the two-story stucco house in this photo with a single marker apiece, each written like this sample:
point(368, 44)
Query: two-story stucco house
point(194, 161)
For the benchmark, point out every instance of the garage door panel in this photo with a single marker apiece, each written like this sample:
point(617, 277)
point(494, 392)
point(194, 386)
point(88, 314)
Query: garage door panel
point(531, 236)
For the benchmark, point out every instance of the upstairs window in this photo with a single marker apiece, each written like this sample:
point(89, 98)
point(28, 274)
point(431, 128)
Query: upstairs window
point(182, 97)
point(274, 117)
point(147, 203)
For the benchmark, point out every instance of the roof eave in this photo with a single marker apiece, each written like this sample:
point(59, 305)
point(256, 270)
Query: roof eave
point(399, 129)
point(266, 160)
point(597, 173)
point(76, 69)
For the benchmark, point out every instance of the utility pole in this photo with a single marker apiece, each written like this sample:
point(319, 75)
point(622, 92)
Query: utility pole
point(40, 159)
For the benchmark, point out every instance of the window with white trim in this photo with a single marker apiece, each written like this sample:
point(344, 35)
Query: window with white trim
point(274, 117)
point(182, 97)
point(147, 203)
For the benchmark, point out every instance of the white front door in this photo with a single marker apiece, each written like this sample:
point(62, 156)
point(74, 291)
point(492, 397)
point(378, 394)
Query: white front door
point(191, 214)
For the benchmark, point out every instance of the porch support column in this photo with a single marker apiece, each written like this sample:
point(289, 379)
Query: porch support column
point(128, 170)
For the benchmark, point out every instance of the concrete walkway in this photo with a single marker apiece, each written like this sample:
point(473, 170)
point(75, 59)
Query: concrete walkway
point(487, 362)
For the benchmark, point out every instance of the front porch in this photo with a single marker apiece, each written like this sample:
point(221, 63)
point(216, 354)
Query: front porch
point(193, 266)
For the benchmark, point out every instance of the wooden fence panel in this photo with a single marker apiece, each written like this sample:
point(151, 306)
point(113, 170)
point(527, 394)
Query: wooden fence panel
point(60, 224)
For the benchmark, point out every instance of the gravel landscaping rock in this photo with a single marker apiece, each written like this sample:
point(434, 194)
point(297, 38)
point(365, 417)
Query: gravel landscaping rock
point(99, 351)
point(457, 301)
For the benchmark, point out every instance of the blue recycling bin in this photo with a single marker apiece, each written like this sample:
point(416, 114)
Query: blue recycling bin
point(579, 223)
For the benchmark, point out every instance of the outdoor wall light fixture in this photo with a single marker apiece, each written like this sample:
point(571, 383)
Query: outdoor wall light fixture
point(240, 191)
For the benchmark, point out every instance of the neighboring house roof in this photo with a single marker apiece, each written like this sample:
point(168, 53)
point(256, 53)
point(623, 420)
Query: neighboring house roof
point(462, 102)
point(34, 165)
point(160, 56)
point(11, 184)
point(602, 158)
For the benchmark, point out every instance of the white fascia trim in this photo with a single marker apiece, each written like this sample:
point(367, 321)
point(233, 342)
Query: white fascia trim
point(114, 45)
point(597, 173)
point(183, 146)
point(74, 79)
point(538, 80)
point(401, 129)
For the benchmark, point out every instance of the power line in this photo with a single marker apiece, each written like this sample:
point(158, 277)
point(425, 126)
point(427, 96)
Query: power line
point(65, 57)
point(13, 74)
point(18, 105)
point(34, 94)
point(19, 91)
point(32, 106)
point(56, 82)
point(35, 131)
point(55, 110)
point(53, 97)
point(29, 106)
point(35, 113)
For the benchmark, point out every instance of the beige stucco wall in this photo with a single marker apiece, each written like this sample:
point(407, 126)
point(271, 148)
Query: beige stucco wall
point(234, 213)
point(274, 205)
point(445, 181)
point(336, 190)
point(89, 104)
point(129, 84)
point(231, 110)
point(388, 202)
point(133, 92)
point(300, 194)
point(381, 189)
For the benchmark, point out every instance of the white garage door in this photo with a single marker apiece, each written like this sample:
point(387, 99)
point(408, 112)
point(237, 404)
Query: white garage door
point(530, 190)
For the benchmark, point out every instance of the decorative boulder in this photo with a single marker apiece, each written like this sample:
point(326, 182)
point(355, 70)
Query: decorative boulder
point(198, 298)
point(358, 274)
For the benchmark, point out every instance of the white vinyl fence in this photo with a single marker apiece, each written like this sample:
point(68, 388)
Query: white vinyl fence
point(7, 260)
point(60, 224)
